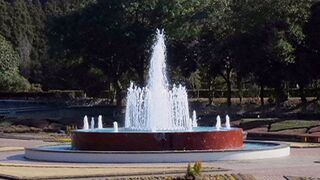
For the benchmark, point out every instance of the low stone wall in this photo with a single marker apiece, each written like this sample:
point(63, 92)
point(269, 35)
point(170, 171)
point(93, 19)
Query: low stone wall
point(285, 137)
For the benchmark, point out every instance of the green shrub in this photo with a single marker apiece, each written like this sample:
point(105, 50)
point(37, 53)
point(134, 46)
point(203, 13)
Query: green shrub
point(13, 82)
point(189, 171)
point(69, 129)
point(194, 171)
point(197, 167)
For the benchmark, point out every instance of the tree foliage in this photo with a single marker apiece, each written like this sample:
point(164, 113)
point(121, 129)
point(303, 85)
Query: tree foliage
point(10, 79)
point(96, 44)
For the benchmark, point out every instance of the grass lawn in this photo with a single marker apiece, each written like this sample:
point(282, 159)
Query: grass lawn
point(5, 123)
point(294, 124)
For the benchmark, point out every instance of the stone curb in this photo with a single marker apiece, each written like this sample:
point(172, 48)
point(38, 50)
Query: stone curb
point(177, 171)
point(8, 149)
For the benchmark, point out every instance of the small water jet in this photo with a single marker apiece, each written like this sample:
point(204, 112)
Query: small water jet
point(100, 123)
point(218, 123)
point(92, 123)
point(194, 119)
point(228, 126)
point(85, 123)
point(115, 126)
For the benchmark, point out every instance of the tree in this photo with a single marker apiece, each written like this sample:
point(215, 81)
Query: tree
point(282, 30)
point(114, 37)
point(10, 79)
point(254, 37)
point(309, 64)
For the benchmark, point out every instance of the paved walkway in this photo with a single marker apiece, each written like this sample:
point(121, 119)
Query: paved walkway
point(303, 162)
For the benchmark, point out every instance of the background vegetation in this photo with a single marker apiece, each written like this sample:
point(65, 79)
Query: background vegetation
point(94, 45)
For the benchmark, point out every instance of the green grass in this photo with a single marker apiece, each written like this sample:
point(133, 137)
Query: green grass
point(294, 124)
point(247, 120)
point(5, 123)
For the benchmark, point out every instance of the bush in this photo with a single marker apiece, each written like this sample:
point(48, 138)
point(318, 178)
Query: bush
point(193, 172)
point(19, 83)
point(13, 82)
point(69, 129)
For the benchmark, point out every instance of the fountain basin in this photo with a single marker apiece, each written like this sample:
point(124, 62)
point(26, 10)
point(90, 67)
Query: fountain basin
point(200, 138)
point(250, 150)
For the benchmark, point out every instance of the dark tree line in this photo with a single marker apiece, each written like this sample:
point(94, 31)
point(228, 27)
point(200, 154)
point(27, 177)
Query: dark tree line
point(101, 44)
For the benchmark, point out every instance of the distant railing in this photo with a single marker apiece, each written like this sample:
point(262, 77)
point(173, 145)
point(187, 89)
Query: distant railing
point(201, 93)
point(205, 93)
point(51, 94)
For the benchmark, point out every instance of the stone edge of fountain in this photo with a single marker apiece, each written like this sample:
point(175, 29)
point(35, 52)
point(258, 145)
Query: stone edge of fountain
point(277, 145)
point(42, 153)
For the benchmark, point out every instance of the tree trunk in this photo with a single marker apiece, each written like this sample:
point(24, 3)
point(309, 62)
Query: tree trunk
point(262, 95)
point(281, 95)
point(302, 94)
point(198, 94)
point(239, 86)
point(112, 93)
point(228, 90)
point(210, 93)
point(317, 92)
point(119, 95)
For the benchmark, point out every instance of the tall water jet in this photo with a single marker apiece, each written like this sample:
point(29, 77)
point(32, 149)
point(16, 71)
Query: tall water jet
point(155, 107)
point(194, 119)
point(85, 122)
point(92, 123)
point(228, 126)
point(218, 124)
point(100, 124)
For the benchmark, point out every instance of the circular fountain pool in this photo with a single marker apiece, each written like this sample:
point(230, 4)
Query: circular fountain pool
point(250, 150)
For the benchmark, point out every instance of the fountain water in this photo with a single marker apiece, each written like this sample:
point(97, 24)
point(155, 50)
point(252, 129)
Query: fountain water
point(194, 119)
point(92, 123)
point(115, 126)
point(85, 122)
point(155, 107)
point(100, 124)
point(218, 124)
point(228, 126)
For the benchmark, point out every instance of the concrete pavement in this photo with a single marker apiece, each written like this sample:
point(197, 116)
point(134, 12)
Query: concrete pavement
point(303, 162)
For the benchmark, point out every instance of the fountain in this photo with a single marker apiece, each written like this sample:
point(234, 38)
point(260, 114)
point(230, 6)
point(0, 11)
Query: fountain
point(159, 115)
point(157, 128)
